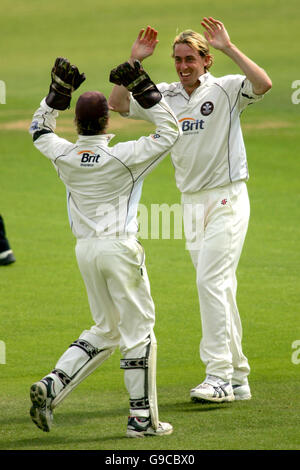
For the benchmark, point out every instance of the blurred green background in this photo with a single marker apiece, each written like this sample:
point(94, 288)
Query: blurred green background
point(43, 305)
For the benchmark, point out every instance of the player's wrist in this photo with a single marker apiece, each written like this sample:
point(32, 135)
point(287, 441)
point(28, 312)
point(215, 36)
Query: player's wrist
point(228, 48)
point(133, 58)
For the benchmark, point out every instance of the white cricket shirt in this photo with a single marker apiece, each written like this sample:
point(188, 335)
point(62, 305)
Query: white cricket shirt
point(104, 183)
point(211, 151)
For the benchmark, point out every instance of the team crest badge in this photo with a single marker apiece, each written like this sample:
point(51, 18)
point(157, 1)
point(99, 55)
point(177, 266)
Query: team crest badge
point(207, 108)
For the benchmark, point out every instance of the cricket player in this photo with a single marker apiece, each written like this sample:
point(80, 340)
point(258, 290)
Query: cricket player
point(211, 172)
point(104, 185)
point(6, 254)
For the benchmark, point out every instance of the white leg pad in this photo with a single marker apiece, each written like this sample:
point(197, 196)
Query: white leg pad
point(152, 391)
point(140, 380)
point(82, 374)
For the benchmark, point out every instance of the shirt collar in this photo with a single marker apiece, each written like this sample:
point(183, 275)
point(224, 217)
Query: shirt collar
point(101, 139)
point(203, 79)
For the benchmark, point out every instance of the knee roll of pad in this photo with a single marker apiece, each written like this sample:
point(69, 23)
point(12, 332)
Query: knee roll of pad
point(87, 347)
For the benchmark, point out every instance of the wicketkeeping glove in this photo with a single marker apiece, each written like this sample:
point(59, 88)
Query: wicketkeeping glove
point(138, 82)
point(65, 78)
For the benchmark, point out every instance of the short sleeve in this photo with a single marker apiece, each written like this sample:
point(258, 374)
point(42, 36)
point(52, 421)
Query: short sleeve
point(247, 95)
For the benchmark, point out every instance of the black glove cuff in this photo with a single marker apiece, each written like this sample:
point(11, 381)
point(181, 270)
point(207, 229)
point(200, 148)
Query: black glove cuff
point(57, 100)
point(148, 97)
point(138, 82)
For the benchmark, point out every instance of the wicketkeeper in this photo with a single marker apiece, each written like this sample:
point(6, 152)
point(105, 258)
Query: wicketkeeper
point(104, 185)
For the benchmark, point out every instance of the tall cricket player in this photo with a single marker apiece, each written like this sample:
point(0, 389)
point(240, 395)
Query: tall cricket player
point(211, 172)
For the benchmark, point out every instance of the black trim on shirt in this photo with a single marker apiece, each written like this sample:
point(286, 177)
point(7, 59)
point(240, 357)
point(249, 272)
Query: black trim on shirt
point(38, 134)
point(247, 96)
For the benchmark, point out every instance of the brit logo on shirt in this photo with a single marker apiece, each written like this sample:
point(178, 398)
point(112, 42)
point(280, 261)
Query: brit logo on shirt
point(207, 108)
point(88, 158)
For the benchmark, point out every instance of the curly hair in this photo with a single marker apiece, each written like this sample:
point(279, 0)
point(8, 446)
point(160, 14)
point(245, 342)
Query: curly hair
point(92, 126)
point(91, 113)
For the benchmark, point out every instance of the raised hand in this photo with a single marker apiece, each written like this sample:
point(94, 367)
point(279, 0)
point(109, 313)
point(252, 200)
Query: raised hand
point(216, 33)
point(65, 78)
point(144, 44)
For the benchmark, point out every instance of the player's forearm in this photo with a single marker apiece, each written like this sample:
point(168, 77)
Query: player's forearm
point(42, 130)
point(119, 99)
point(44, 119)
point(166, 123)
point(260, 80)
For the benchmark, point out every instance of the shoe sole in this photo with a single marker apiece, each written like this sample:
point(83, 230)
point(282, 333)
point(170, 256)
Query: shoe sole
point(242, 392)
point(38, 394)
point(38, 411)
point(203, 399)
point(139, 434)
point(35, 417)
point(240, 398)
point(7, 261)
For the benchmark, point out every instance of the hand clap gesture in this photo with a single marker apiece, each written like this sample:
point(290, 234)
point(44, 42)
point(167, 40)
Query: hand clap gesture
point(215, 33)
point(144, 44)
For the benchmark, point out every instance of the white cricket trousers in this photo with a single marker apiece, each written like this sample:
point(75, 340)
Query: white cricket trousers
point(121, 305)
point(215, 225)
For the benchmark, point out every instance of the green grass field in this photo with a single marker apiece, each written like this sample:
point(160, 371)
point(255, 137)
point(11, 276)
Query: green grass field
point(43, 305)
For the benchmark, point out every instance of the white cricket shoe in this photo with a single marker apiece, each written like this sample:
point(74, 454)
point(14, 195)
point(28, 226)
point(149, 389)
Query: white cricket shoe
point(140, 427)
point(213, 389)
point(41, 395)
point(242, 392)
